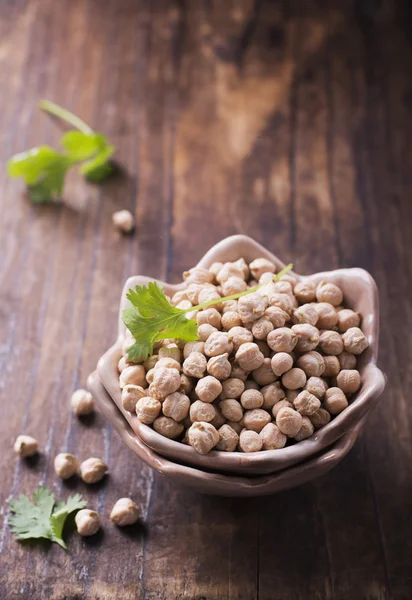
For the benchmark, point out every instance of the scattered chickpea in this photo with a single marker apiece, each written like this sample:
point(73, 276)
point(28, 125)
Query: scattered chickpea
point(281, 362)
point(249, 357)
point(347, 318)
point(168, 427)
point(176, 406)
point(65, 465)
point(261, 328)
point(294, 379)
point(347, 360)
point(123, 220)
point(250, 441)
point(82, 402)
point(272, 394)
point(276, 316)
point(307, 337)
point(264, 374)
point(329, 292)
point(289, 421)
point(232, 388)
point(165, 382)
point(93, 470)
point(231, 319)
point(203, 437)
point(228, 439)
point(305, 314)
point(305, 431)
point(282, 339)
point(88, 522)
point(272, 437)
point(312, 363)
point(305, 291)
point(147, 409)
point(354, 340)
point(124, 512)
point(332, 366)
point(130, 395)
point(218, 343)
point(306, 404)
point(256, 419)
point(135, 375)
point(219, 366)
point(251, 399)
point(316, 386)
point(335, 401)
point(349, 381)
point(26, 446)
point(231, 409)
point(281, 404)
point(330, 342)
point(195, 365)
point(208, 388)
point(327, 315)
point(202, 411)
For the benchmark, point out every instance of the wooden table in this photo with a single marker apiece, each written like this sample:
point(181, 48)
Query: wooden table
point(289, 121)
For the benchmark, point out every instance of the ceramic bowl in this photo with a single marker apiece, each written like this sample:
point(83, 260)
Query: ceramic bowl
point(221, 484)
point(360, 294)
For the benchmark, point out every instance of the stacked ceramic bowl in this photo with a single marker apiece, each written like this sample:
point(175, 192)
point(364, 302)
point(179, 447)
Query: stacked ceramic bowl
point(265, 472)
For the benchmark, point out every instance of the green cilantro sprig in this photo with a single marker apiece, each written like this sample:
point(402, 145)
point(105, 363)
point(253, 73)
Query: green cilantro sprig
point(44, 169)
point(151, 317)
point(37, 519)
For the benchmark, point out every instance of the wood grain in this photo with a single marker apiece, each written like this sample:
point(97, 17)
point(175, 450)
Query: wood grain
point(290, 121)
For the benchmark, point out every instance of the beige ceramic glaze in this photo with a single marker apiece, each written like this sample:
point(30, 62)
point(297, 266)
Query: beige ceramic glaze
point(360, 294)
point(219, 484)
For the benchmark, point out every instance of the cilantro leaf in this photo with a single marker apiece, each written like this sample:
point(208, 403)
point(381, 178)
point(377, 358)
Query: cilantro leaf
point(34, 520)
point(99, 167)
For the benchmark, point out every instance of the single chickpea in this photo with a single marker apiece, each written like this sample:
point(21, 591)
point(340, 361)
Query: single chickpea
point(354, 340)
point(186, 384)
point(266, 278)
point(228, 439)
point(230, 270)
point(332, 366)
point(292, 394)
point(239, 336)
point(335, 401)
point(135, 375)
point(219, 366)
point(251, 307)
point(150, 362)
point(327, 315)
point(205, 331)
point(191, 347)
point(330, 342)
point(320, 418)
point(305, 431)
point(93, 470)
point(176, 406)
point(305, 314)
point(208, 388)
point(249, 357)
point(233, 285)
point(231, 319)
point(215, 268)
point(237, 372)
point(251, 399)
point(203, 437)
point(307, 337)
point(347, 318)
point(124, 512)
point(231, 409)
point(195, 365)
point(256, 419)
point(170, 351)
point(198, 275)
point(347, 360)
point(165, 382)
point(147, 409)
point(264, 374)
point(316, 386)
point(281, 362)
point(281, 404)
point(207, 294)
point(26, 446)
point(305, 291)
point(218, 343)
point(242, 264)
point(349, 381)
point(264, 348)
point(229, 306)
point(168, 363)
point(65, 465)
point(123, 220)
point(289, 278)
point(236, 426)
point(294, 379)
point(306, 404)
point(261, 328)
point(282, 301)
point(250, 384)
point(202, 411)
point(282, 339)
point(219, 419)
point(312, 363)
point(289, 421)
point(178, 297)
point(193, 291)
point(123, 363)
point(209, 316)
point(261, 265)
point(329, 292)
point(168, 427)
point(88, 522)
point(82, 402)
point(272, 394)
point(272, 437)
point(283, 287)
point(130, 395)
point(276, 316)
point(150, 376)
point(250, 441)
point(232, 388)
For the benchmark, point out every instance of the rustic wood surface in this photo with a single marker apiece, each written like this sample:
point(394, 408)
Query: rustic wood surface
point(289, 121)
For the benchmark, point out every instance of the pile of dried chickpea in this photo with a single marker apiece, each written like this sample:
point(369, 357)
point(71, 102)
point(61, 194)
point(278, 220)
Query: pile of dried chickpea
point(272, 366)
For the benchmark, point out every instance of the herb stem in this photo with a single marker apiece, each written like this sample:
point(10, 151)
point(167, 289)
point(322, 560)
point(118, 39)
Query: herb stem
point(65, 115)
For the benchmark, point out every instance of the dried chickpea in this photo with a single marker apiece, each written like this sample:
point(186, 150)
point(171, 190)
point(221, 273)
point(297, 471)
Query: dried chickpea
point(236, 426)
point(250, 441)
point(239, 336)
point(289, 421)
point(130, 395)
point(347, 318)
point(219, 419)
point(208, 388)
point(320, 418)
point(329, 292)
point(228, 439)
point(272, 394)
point(215, 268)
point(232, 388)
point(26, 446)
point(238, 373)
point(330, 342)
point(195, 365)
point(147, 409)
point(316, 386)
point(281, 362)
point(347, 360)
point(242, 264)
point(88, 522)
point(281, 404)
point(306, 404)
point(170, 351)
point(168, 362)
point(123, 363)
point(231, 409)
point(231, 319)
point(266, 278)
point(82, 402)
point(261, 265)
point(251, 307)
point(276, 316)
point(283, 301)
point(186, 384)
point(305, 291)
point(168, 427)
point(256, 419)
point(272, 437)
point(282, 339)
point(124, 512)
point(150, 376)
point(251, 385)
point(312, 363)
point(305, 314)
point(193, 347)
point(307, 337)
point(219, 366)
point(230, 270)
point(305, 431)
point(292, 394)
point(294, 379)
point(264, 374)
point(93, 470)
point(178, 297)
point(65, 465)
point(335, 401)
point(209, 316)
point(205, 331)
point(229, 306)
point(251, 399)
point(176, 406)
point(150, 362)
point(165, 382)
point(249, 357)
point(203, 437)
point(327, 315)
point(233, 285)
point(127, 344)
point(198, 275)
point(209, 293)
point(202, 411)
point(354, 340)
point(261, 328)
point(193, 291)
point(332, 366)
point(135, 375)
point(218, 343)
point(283, 287)
point(349, 381)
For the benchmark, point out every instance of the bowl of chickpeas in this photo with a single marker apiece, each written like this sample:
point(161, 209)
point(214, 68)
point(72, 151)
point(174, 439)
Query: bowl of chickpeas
point(276, 377)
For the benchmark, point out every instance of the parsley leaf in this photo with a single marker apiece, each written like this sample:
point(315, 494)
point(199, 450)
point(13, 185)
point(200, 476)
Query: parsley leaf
point(38, 520)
